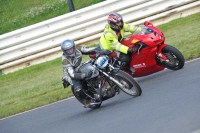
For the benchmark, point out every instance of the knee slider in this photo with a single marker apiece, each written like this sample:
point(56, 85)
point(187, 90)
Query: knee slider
point(124, 64)
point(77, 92)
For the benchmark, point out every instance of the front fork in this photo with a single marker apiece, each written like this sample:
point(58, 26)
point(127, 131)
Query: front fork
point(160, 55)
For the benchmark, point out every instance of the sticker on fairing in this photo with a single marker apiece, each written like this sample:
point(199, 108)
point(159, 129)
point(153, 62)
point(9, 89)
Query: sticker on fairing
point(139, 65)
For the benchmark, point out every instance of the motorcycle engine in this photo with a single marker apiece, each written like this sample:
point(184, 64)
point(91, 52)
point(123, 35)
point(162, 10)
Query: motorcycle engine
point(93, 83)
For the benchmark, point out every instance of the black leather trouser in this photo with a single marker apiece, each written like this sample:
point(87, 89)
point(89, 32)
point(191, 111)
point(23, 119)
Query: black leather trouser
point(77, 86)
point(78, 92)
point(125, 59)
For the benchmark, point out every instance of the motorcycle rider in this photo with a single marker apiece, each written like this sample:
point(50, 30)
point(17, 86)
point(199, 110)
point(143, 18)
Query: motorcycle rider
point(113, 35)
point(71, 61)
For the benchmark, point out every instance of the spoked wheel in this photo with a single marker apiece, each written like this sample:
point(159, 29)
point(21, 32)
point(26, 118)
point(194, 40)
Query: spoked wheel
point(175, 58)
point(129, 85)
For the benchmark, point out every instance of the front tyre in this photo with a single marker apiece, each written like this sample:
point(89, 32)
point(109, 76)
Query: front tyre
point(175, 57)
point(129, 85)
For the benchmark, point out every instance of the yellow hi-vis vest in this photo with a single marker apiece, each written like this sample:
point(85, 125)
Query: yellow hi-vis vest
point(109, 39)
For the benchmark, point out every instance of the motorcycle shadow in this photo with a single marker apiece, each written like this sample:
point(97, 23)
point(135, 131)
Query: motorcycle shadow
point(106, 105)
point(155, 77)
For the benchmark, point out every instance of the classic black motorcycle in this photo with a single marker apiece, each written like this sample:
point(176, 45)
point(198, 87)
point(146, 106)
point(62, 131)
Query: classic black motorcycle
point(107, 79)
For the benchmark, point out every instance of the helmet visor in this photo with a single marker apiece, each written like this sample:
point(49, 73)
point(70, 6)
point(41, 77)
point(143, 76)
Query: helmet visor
point(117, 25)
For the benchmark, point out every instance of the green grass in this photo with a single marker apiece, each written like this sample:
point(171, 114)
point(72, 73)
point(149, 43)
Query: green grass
point(41, 84)
point(184, 34)
point(16, 14)
point(32, 87)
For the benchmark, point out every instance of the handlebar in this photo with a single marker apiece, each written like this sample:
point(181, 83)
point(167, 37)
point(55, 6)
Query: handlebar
point(99, 53)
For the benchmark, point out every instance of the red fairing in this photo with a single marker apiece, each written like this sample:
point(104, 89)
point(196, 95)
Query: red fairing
point(151, 40)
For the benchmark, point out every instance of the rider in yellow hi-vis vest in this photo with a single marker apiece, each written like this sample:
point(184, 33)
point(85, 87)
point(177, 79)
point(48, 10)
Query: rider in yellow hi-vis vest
point(114, 33)
point(112, 36)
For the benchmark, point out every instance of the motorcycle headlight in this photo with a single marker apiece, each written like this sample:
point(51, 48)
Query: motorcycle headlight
point(102, 62)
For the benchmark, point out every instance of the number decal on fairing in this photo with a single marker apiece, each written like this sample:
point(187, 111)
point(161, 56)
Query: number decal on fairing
point(139, 65)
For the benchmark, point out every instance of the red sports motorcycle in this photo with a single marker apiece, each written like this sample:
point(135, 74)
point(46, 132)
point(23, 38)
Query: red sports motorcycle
point(153, 54)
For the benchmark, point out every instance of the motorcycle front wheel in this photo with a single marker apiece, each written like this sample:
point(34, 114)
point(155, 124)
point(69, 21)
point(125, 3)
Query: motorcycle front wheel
point(175, 58)
point(129, 85)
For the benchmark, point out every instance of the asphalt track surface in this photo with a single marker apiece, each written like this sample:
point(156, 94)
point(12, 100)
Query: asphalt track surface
point(170, 103)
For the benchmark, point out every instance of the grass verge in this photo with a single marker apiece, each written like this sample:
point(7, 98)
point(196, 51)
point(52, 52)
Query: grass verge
point(41, 84)
point(16, 14)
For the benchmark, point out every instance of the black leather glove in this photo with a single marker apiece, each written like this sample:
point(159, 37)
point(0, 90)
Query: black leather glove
point(87, 51)
point(88, 74)
point(65, 82)
point(133, 49)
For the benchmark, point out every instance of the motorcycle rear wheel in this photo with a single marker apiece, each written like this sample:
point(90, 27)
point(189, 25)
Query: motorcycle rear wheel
point(129, 85)
point(175, 57)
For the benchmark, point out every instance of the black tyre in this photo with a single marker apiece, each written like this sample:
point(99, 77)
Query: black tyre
point(175, 57)
point(130, 86)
